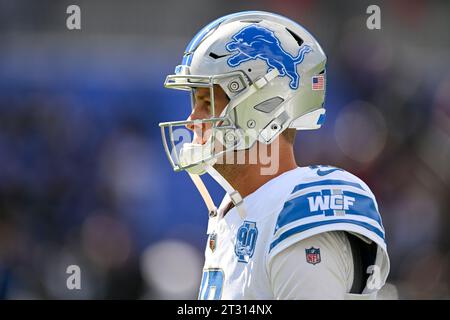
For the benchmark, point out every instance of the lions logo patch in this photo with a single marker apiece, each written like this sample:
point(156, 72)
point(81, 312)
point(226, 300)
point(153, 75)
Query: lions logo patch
point(246, 241)
point(256, 42)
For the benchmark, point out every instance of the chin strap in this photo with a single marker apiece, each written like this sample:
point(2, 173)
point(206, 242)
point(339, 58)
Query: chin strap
point(233, 194)
point(212, 210)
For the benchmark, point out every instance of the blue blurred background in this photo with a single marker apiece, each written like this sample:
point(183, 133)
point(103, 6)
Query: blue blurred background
point(84, 178)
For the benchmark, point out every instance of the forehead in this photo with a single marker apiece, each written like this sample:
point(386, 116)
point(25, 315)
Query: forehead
point(206, 92)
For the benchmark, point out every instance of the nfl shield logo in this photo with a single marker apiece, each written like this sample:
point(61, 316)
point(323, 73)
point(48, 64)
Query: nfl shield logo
point(213, 241)
point(312, 255)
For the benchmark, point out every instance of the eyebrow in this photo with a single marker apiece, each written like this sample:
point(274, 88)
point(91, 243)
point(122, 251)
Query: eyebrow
point(201, 96)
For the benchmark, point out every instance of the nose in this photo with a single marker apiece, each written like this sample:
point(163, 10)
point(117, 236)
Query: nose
point(200, 129)
point(196, 114)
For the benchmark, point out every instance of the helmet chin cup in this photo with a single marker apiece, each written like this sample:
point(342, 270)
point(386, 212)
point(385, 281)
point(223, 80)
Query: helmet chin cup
point(196, 157)
point(197, 169)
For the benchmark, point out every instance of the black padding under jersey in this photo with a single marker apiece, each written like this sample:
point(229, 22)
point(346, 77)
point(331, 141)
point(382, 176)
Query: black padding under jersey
point(364, 255)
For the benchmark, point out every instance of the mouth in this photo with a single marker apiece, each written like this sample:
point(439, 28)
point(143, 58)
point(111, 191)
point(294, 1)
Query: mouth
point(201, 134)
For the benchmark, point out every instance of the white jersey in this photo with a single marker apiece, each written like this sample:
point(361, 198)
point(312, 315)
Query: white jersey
point(291, 245)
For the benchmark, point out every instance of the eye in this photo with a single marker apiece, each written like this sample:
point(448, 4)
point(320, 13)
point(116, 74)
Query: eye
point(205, 105)
point(208, 106)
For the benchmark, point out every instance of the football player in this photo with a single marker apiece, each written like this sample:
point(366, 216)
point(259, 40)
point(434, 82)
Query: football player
point(291, 232)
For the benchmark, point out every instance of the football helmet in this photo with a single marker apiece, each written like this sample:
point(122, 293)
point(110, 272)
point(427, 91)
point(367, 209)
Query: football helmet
point(273, 72)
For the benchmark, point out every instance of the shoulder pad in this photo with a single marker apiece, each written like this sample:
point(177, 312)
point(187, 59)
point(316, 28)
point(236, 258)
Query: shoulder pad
point(327, 199)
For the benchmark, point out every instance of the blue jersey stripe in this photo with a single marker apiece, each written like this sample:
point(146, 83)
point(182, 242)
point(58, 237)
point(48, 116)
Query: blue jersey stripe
point(325, 183)
point(363, 206)
point(295, 209)
point(308, 226)
point(298, 208)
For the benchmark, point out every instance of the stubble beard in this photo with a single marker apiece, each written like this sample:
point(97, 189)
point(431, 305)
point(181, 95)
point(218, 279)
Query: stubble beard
point(231, 171)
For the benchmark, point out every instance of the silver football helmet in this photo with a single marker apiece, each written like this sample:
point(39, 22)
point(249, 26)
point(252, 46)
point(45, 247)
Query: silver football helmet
point(273, 72)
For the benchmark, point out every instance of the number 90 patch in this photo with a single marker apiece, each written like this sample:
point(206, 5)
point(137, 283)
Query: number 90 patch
point(246, 241)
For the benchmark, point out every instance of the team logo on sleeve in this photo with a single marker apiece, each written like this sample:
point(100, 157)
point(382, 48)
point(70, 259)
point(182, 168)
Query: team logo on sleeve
point(256, 42)
point(246, 241)
point(313, 255)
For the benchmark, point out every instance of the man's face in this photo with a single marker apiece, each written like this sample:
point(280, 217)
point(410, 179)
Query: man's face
point(202, 110)
point(227, 163)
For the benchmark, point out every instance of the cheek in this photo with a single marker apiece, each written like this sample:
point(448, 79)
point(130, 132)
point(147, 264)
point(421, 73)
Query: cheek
point(202, 112)
point(220, 105)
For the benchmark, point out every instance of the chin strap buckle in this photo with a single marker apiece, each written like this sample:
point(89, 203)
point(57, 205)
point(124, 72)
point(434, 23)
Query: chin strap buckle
point(234, 195)
point(212, 213)
point(212, 210)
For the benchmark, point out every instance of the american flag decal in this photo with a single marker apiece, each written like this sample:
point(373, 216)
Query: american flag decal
point(318, 82)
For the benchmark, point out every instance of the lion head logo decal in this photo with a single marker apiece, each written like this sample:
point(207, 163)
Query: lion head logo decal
point(256, 42)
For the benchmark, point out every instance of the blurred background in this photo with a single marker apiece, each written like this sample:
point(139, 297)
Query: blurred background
point(84, 178)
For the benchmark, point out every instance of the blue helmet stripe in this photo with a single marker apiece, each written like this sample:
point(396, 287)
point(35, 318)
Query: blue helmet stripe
point(308, 226)
point(187, 59)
